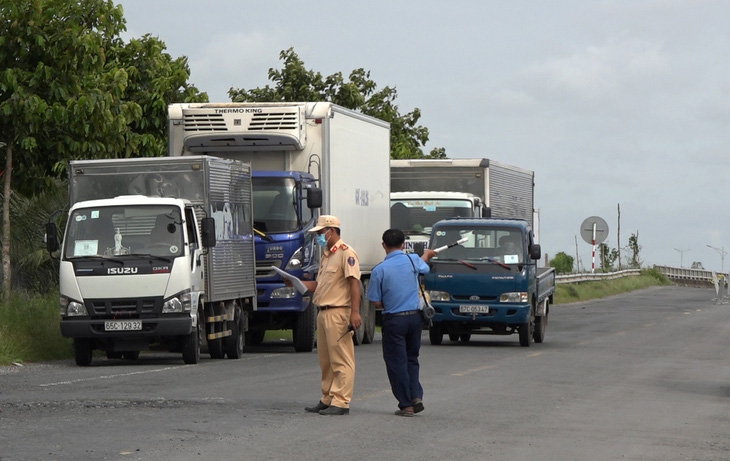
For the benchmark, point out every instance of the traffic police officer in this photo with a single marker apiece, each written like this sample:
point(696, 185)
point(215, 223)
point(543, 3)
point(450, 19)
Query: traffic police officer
point(337, 293)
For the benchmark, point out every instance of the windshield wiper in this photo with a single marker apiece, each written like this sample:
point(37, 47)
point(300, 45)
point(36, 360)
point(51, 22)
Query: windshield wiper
point(491, 260)
point(96, 257)
point(262, 235)
point(148, 255)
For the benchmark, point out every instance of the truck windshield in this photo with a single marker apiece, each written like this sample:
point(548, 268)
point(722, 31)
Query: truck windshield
point(124, 230)
point(501, 245)
point(415, 216)
point(274, 205)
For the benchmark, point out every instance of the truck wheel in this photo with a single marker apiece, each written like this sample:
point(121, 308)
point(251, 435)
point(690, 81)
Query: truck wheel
point(540, 324)
point(83, 351)
point(435, 335)
point(215, 346)
point(367, 312)
point(255, 337)
point(465, 337)
point(453, 337)
point(113, 355)
point(527, 330)
point(191, 344)
point(304, 328)
point(234, 343)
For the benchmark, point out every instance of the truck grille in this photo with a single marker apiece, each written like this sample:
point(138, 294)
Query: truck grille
point(204, 122)
point(122, 308)
point(274, 121)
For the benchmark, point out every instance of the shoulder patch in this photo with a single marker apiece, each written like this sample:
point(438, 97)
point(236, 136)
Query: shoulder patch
point(343, 247)
point(333, 249)
point(351, 261)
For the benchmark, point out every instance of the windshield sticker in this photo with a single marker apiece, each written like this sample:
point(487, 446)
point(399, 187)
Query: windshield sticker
point(511, 259)
point(86, 247)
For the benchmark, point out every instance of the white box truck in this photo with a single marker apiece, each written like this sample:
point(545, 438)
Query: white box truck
point(157, 252)
point(424, 191)
point(308, 158)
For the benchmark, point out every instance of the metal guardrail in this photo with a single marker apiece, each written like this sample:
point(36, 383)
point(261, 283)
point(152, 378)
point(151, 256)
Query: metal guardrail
point(682, 273)
point(592, 277)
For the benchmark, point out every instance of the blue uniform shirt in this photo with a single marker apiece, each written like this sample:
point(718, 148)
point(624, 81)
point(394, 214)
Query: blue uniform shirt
point(393, 282)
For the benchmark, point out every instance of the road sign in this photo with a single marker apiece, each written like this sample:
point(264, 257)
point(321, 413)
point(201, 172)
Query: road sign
point(591, 225)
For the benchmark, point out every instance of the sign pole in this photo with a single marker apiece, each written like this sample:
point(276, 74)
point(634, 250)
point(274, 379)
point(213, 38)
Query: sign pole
point(593, 264)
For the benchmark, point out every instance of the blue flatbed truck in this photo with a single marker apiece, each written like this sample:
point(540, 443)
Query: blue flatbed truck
point(490, 283)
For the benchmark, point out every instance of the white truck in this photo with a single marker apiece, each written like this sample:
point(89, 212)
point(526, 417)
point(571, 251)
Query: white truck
point(157, 252)
point(308, 158)
point(424, 191)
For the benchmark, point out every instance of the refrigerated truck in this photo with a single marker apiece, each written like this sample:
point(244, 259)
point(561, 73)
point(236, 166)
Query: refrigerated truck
point(308, 158)
point(157, 252)
point(472, 188)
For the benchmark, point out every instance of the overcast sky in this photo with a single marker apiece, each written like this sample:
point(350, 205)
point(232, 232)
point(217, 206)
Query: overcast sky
point(610, 102)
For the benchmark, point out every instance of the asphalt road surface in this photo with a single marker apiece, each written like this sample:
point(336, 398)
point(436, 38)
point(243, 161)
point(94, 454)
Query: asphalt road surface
point(641, 376)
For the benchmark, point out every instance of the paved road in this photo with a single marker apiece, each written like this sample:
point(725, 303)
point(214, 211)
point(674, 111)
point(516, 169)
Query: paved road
point(642, 376)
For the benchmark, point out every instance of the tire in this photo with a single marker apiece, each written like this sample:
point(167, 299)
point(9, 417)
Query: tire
point(465, 337)
point(435, 335)
point(113, 355)
point(255, 337)
point(83, 351)
point(527, 330)
point(191, 344)
point(453, 337)
point(367, 311)
point(234, 343)
point(130, 355)
point(215, 346)
point(304, 328)
point(540, 324)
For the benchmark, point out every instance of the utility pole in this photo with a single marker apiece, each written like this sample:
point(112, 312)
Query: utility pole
point(681, 256)
point(722, 255)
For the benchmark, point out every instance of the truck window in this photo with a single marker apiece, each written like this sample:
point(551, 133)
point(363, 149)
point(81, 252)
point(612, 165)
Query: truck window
point(419, 215)
point(274, 205)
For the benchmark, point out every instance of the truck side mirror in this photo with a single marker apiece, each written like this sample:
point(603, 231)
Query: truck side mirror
point(207, 226)
point(486, 212)
point(52, 237)
point(535, 251)
point(314, 197)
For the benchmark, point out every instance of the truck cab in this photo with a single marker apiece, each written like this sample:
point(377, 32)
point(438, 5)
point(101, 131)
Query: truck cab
point(489, 283)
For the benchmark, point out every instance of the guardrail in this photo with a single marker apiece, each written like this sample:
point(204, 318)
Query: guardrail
point(682, 273)
point(592, 277)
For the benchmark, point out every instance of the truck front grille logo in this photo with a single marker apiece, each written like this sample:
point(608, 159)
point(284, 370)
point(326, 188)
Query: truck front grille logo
point(121, 270)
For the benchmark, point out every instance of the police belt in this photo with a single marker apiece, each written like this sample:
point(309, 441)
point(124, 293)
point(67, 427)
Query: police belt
point(324, 308)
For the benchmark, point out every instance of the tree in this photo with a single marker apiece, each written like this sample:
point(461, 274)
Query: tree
point(608, 257)
point(562, 263)
point(70, 88)
point(295, 83)
point(634, 250)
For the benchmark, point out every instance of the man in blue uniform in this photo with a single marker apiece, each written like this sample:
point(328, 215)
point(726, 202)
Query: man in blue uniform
point(394, 288)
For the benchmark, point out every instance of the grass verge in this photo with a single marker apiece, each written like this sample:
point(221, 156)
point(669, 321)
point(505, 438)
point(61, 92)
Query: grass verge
point(574, 292)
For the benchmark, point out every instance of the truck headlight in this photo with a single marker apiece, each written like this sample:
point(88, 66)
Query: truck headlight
point(284, 293)
point(296, 260)
point(178, 304)
point(514, 297)
point(439, 296)
point(71, 308)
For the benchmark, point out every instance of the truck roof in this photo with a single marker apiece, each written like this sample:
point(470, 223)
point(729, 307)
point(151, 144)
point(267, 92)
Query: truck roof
point(430, 194)
point(123, 200)
point(476, 222)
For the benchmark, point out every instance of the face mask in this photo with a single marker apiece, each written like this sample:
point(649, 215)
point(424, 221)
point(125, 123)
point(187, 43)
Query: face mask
point(321, 240)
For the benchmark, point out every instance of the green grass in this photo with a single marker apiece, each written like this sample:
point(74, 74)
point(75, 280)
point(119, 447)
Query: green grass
point(574, 292)
point(30, 332)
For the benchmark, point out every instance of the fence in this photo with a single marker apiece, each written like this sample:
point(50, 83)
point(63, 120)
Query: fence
point(592, 277)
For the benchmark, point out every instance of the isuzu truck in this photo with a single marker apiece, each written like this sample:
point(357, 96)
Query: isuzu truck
point(157, 253)
point(308, 158)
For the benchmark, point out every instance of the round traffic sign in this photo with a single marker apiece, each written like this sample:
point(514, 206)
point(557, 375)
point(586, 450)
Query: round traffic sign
point(586, 229)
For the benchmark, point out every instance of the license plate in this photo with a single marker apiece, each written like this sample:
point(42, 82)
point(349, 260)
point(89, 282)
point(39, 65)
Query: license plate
point(123, 325)
point(473, 309)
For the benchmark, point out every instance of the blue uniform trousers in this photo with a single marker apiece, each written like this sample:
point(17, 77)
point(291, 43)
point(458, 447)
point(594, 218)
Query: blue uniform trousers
point(401, 345)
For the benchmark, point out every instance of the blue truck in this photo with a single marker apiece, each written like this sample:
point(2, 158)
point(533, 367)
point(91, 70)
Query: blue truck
point(490, 283)
point(308, 158)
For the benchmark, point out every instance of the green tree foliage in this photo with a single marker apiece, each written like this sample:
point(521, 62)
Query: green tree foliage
point(358, 92)
point(608, 257)
point(71, 88)
point(562, 263)
point(634, 250)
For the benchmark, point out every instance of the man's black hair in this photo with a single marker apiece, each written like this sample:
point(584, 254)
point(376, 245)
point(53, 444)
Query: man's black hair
point(393, 238)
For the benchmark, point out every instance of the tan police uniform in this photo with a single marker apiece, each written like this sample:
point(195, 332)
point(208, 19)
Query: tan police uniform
point(336, 356)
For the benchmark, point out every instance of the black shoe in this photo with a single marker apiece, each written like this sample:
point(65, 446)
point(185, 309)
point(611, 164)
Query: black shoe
point(335, 411)
point(317, 408)
point(418, 406)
